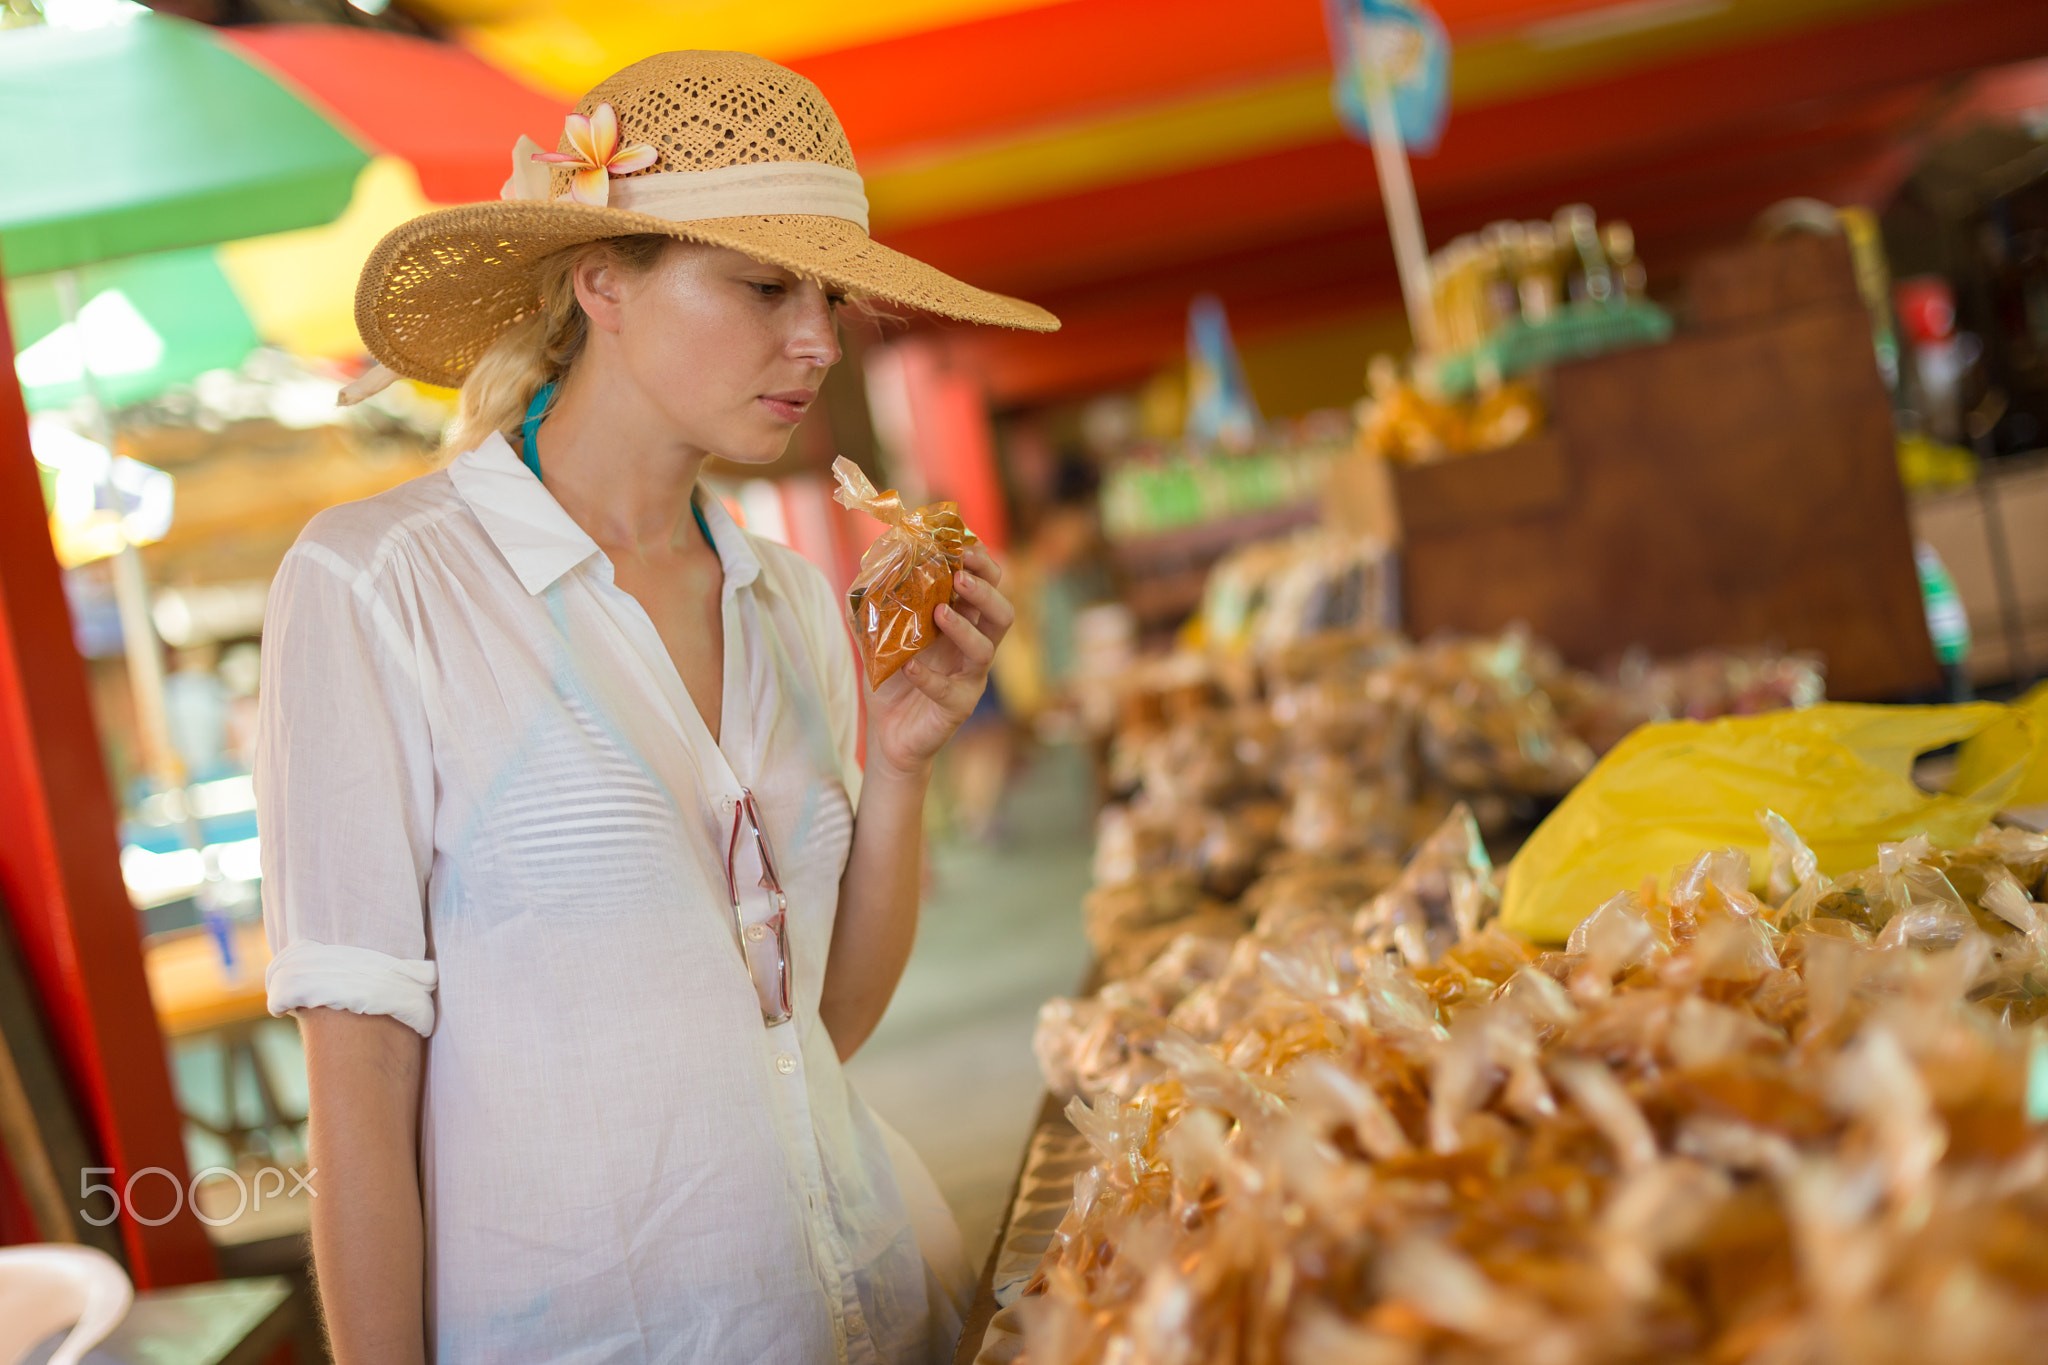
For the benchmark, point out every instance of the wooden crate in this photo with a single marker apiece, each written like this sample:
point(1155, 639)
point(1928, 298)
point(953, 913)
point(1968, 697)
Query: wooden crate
point(1735, 487)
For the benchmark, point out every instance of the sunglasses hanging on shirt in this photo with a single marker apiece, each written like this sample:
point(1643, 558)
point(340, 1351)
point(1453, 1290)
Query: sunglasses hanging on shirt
point(764, 943)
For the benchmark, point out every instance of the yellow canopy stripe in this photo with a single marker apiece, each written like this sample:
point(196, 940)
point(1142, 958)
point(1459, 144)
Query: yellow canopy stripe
point(567, 46)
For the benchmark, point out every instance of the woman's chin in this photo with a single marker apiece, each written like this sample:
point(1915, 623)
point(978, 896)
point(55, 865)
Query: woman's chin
point(757, 447)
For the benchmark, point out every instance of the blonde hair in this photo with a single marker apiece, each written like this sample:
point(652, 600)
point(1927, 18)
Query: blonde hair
point(540, 347)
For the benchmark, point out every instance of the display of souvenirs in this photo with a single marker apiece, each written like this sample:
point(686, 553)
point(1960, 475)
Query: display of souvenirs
point(1324, 760)
point(1375, 1128)
point(1145, 497)
point(1520, 296)
point(1269, 594)
point(1530, 272)
point(1400, 420)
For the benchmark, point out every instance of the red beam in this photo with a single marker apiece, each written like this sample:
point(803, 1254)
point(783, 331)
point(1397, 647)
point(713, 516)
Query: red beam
point(60, 873)
point(1124, 329)
point(1609, 127)
point(1065, 61)
point(436, 105)
point(1062, 62)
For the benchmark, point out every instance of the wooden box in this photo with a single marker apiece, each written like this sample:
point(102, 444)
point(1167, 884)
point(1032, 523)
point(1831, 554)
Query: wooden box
point(1735, 487)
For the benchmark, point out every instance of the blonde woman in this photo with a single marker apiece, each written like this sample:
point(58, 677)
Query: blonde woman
point(571, 877)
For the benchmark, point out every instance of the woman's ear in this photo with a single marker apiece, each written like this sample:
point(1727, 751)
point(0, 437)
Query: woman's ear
point(600, 289)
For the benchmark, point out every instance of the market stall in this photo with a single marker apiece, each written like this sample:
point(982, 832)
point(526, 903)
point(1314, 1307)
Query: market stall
point(1334, 1106)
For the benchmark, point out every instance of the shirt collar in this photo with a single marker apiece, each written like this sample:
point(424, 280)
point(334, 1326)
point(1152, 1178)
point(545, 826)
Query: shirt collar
point(538, 539)
point(735, 556)
point(542, 542)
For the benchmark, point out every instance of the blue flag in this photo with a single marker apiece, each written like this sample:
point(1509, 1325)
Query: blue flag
point(1415, 52)
point(1221, 410)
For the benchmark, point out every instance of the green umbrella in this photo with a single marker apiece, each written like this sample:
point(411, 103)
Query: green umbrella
point(142, 135)
point(151, 134)
point(148, 322)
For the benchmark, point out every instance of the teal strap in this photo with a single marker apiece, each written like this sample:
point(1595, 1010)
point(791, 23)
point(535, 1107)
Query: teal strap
point(529, 452)
point(537, 409)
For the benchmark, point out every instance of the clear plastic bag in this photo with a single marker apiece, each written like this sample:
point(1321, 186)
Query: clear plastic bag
point(905, 576)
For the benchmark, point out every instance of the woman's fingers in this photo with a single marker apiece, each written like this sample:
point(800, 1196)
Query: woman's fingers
point(974, 646)
point(979, 562)
point(978, 600)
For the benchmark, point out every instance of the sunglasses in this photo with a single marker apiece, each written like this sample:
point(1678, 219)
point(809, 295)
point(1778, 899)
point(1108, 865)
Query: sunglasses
point(764, 943)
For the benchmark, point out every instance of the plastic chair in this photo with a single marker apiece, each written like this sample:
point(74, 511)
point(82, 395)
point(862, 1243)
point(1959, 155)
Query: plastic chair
point(46, 1288)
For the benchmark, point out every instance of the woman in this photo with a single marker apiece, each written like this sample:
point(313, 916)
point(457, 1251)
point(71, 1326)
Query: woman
point(563, 872)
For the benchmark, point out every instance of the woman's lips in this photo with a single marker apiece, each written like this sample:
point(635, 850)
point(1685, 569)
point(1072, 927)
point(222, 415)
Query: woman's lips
point(791, 406)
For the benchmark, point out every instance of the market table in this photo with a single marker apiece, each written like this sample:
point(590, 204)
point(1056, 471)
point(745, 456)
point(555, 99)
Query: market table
point(195, 994)
point(1053, 1156)
point(227, 1322)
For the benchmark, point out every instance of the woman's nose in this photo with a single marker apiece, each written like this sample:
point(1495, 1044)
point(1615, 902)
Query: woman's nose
point(817, 334)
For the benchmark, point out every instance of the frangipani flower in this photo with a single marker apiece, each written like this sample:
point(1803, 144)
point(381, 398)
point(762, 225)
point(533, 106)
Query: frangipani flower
point(598, 156)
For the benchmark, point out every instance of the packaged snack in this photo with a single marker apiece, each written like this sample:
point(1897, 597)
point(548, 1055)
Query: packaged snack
point(906, 574)
point(1713, 1129)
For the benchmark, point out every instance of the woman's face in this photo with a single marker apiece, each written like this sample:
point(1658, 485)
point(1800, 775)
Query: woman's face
point(729, 350)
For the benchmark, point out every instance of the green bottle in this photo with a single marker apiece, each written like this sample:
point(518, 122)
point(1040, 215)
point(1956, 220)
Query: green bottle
point(1947, 624)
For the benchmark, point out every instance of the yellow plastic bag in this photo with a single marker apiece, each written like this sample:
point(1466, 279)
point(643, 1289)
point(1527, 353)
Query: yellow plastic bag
point(1841, 774)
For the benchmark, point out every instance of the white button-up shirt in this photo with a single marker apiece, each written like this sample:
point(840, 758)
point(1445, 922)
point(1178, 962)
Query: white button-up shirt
point(490, 809)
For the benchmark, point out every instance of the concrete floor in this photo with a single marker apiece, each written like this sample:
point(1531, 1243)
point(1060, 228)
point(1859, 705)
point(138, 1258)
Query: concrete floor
point(950, 1066)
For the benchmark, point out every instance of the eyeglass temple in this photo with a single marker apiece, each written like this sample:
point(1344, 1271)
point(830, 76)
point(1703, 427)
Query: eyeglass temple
point(768, 875)
point(745, 808)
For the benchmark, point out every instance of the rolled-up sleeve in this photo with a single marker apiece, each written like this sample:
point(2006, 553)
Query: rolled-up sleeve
point(344, 795)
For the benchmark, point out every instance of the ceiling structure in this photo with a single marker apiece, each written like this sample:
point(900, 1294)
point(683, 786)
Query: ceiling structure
point(1110, 158)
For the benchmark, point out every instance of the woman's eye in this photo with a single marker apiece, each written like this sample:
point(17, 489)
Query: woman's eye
point(768, 289)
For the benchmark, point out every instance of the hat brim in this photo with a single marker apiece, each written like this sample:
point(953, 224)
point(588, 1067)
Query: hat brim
point(438, 290)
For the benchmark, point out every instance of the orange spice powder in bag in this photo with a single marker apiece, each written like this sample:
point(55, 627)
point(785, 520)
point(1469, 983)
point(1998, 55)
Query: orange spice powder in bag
point(905, 574)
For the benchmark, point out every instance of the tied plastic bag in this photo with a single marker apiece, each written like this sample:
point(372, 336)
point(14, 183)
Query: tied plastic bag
point(1841, 775)
point(905, 575)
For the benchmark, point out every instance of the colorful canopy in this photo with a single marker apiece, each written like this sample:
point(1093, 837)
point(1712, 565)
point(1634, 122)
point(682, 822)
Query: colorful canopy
point(152, 134)
point(435, 105)
point(1112, 158)
point(153, 321)
point(443, 124)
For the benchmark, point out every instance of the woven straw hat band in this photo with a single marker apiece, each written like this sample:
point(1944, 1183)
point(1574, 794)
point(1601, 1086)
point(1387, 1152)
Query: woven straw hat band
point(722, 148)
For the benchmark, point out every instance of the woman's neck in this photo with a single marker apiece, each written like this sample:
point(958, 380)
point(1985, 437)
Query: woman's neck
point(616, 467)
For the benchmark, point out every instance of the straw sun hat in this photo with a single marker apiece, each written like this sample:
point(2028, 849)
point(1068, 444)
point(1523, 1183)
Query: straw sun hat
point(716, 147)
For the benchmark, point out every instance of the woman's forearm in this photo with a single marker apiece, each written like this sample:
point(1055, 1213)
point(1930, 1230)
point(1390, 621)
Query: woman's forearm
point(878, 901)
point(363, 1075)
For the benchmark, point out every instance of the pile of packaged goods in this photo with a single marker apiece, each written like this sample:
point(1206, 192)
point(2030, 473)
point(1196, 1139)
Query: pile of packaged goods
point(1270, 594)
point(1313, 771)
point(1716, 1127)
point(1415, 422)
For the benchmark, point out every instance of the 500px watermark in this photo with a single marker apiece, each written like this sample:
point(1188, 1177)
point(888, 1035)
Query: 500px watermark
point(123, 1199)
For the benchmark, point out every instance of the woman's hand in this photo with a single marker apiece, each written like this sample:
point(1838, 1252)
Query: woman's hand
point(914, 713)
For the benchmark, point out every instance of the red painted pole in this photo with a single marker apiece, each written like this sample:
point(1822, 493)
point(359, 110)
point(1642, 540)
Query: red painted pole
point(60, 873)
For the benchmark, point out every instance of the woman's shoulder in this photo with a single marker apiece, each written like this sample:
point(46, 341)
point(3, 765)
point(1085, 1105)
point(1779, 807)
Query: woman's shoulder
point(364, 536)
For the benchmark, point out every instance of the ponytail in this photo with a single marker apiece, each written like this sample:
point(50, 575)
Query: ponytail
point(539, 347)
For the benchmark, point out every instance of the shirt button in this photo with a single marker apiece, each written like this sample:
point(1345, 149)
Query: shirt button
point(785, 1063)
point(757, 932)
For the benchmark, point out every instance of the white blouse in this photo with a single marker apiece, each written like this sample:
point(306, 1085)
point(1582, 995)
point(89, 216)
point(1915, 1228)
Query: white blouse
point(490, 809)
